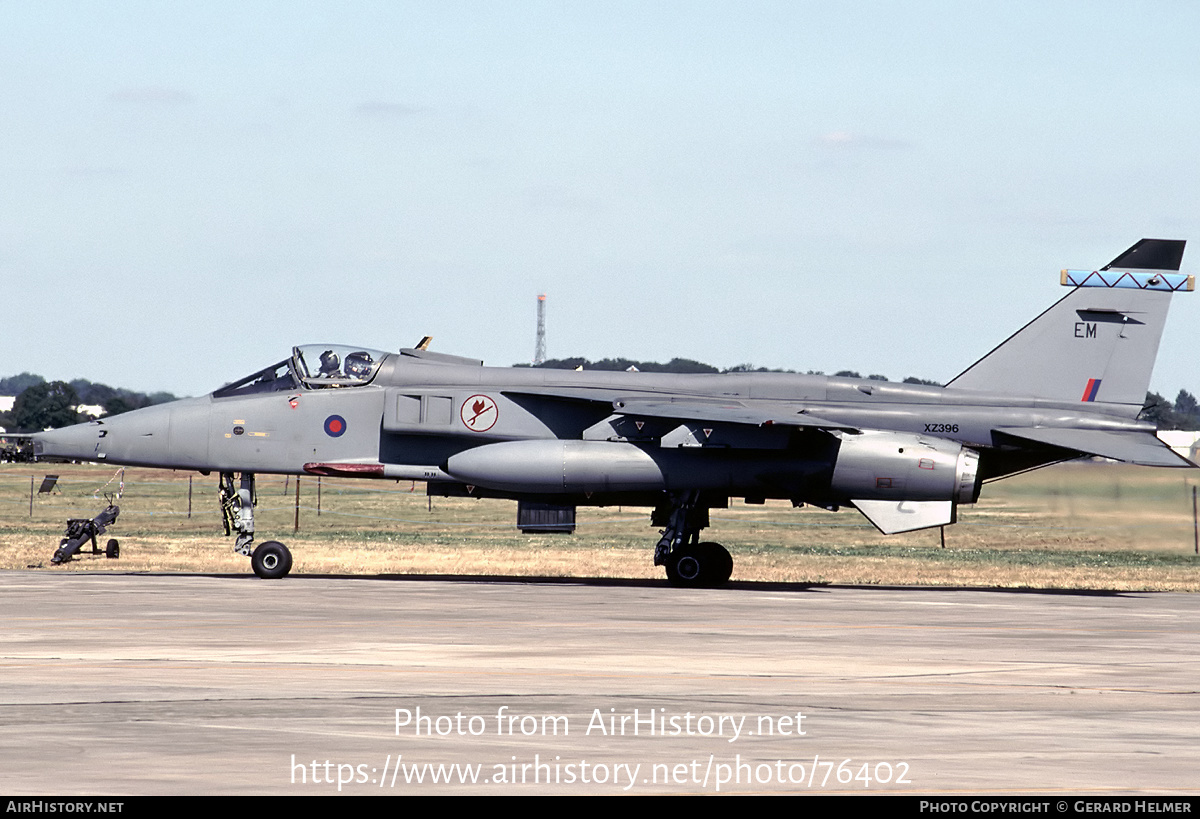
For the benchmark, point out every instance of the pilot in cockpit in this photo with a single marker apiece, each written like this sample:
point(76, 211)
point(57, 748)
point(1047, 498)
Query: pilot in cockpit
point(358, 365)
point(330, 364)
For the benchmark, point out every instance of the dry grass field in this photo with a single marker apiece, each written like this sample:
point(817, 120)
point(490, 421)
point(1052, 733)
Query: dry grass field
point(1078, 525)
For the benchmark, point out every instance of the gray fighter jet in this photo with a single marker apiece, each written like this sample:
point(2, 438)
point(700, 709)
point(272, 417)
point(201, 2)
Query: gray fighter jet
point(1072, 382)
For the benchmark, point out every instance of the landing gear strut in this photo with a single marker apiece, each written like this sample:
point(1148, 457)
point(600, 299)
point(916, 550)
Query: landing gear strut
point(271, 559)
point(689, 562)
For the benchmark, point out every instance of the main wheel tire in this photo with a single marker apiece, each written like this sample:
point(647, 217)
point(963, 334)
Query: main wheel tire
point(704, 565)
point(271, 560)
point(718, 563)
point(113, 549)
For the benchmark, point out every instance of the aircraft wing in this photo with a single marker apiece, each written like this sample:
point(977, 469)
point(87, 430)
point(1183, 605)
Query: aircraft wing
point(1132, 447)
point(731, 411)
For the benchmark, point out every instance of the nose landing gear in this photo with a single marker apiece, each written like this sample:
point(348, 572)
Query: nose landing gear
point(270, 560)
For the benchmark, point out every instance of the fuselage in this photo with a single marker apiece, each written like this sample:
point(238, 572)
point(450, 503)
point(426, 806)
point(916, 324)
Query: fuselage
point(419, 410)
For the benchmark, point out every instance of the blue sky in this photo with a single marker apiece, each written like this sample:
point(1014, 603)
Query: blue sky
point(189, 190)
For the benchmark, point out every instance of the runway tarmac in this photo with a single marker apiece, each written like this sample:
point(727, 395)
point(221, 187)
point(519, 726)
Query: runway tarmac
point(169, 684)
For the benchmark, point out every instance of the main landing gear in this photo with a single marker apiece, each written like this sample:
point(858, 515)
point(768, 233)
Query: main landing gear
point(689, 562)
point(271, 559)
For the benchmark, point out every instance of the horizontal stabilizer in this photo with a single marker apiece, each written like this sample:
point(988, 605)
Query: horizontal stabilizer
point(893, 517)
point(1132, 447)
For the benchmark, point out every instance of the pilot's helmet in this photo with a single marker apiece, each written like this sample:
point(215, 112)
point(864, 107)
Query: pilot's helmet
point(358, 365)
point(329, 363)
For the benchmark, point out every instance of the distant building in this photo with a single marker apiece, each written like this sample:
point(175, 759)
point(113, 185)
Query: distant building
point(92, 411)
point(1183, 442)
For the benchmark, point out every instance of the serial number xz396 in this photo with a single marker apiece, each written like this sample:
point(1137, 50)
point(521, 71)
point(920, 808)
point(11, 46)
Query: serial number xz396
point(953, 428)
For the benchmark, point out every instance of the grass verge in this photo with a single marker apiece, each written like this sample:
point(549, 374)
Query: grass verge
point(1077, 526)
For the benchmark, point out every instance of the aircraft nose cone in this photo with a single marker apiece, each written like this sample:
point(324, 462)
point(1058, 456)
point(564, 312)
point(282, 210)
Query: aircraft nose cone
point(78, 442)
point(138, 438)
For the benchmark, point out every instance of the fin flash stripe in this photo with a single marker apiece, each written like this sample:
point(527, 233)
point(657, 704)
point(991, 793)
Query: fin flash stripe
point(1089, 392)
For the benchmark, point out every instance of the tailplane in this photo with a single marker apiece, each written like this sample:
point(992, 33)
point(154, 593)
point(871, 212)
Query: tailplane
point(1098, 343)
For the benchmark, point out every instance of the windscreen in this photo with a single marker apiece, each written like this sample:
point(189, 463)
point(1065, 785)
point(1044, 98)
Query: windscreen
point(276, 378)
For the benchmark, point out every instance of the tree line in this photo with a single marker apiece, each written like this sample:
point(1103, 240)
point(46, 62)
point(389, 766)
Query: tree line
point(42, 404)
point(1184, 413)
point(687, 365)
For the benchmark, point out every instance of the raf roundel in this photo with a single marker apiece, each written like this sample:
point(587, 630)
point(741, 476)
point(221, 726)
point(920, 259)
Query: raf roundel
point(335, 426)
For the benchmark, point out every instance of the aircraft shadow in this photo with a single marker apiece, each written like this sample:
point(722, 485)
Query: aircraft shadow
point(651, 583)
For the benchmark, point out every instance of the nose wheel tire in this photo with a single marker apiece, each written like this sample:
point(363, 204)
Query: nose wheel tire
point(703, 565)
point(271, 560)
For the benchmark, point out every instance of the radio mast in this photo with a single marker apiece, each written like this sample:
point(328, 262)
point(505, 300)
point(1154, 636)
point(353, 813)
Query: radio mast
point(539, 354)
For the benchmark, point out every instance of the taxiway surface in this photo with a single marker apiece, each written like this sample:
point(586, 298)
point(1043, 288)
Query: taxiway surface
point(160, 684)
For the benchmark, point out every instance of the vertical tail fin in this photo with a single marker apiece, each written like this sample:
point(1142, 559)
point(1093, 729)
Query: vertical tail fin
point(1096, 344)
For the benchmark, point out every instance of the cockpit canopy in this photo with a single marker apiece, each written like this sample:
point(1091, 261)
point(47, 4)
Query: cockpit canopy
point(335, 365)
point(312, 366)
